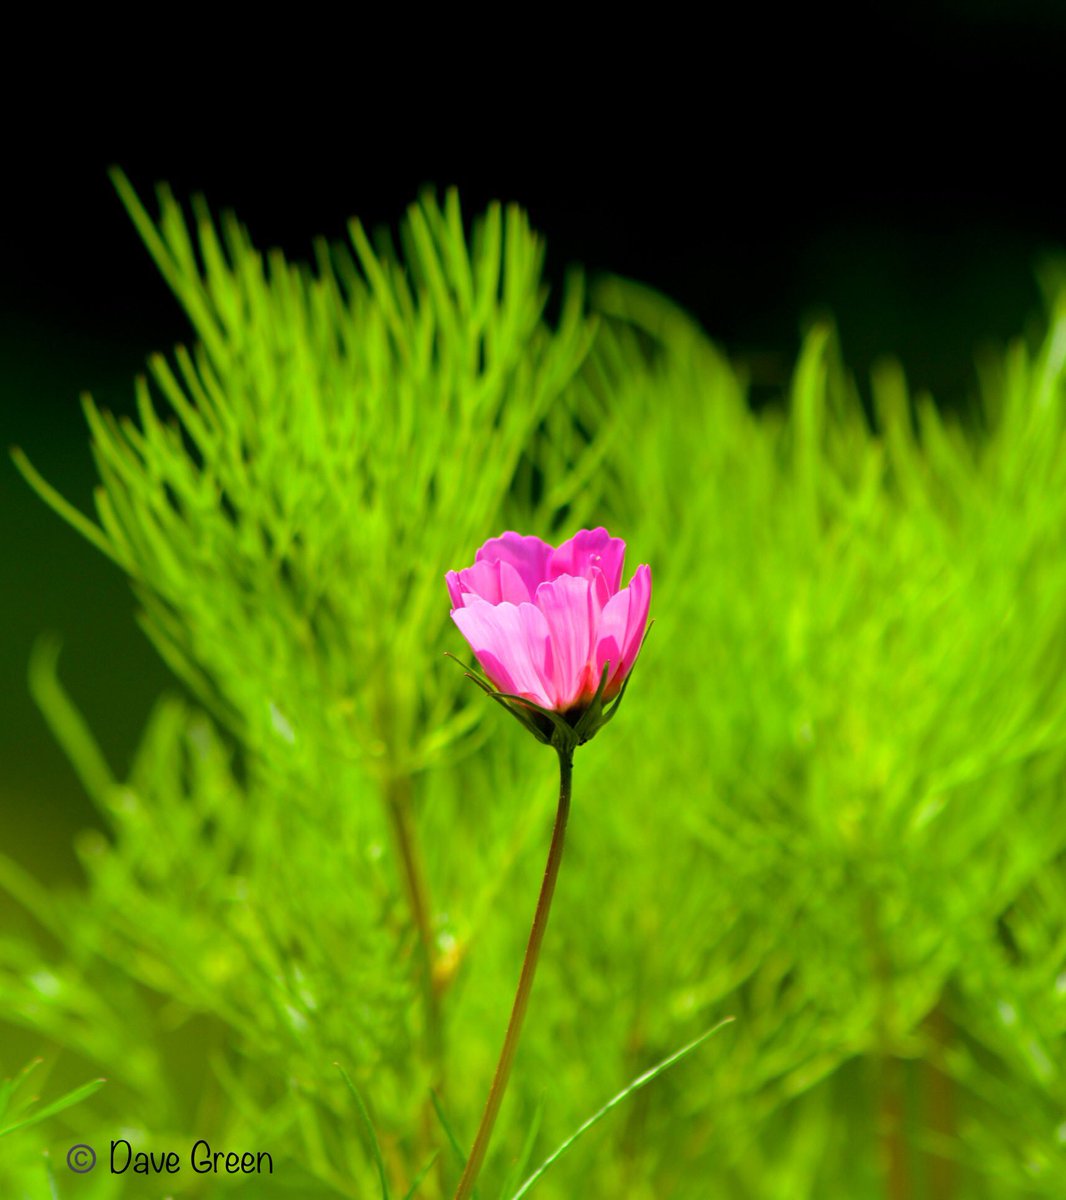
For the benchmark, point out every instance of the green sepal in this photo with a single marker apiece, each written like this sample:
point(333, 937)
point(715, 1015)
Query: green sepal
point(518, 706)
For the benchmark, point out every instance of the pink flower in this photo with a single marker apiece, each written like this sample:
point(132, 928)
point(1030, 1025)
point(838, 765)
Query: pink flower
point(545, 622)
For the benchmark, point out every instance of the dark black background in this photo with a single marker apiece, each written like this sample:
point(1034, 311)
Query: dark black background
point(900, 170)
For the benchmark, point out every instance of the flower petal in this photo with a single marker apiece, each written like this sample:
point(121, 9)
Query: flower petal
point(483, 579)
point(512, 644)
point(568, 607)
point(599, 590)
point(512, 586)
point(528, 555)
point(492, 581)
point(455, 589)
point(636, 624)
point(621, 628)
point(590, 548)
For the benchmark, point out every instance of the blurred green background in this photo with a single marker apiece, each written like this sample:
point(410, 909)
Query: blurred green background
point(928, 276)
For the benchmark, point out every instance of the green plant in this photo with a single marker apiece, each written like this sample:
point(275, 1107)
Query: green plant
point(846, 827)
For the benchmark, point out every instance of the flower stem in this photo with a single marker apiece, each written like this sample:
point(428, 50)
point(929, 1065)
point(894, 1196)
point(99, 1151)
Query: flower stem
point(398, 808)
point(888, 1079)
point(942, 1173)
point(398, 803)
point(525, 984)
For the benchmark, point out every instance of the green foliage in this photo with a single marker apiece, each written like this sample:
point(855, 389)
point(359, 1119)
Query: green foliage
point(21, 1111)
point(12, 1120)
point(832, 806)
point(638, 1083)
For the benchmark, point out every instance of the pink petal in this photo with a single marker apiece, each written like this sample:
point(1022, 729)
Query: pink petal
point(600, 591)
point(512, 586)
point(512, 644)
point(636, 625)
point(568, 607)
point(492, 581)
point(483, 579)
point(528, 555)
point(455, 589)
point(610, 635)
point(621, 628)
point(590, 548)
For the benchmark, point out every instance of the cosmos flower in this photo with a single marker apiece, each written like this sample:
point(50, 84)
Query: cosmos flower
point(550, 625)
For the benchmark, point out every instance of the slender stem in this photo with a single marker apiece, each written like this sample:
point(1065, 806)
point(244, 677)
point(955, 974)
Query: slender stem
point(398, 807)
point(525, 984)
point(890, 1121)
point(889, 1082)
point(398, 798)
point(941, 1105)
